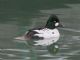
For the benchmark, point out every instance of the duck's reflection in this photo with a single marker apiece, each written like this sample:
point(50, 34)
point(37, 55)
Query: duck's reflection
point(44, 44)
point(50, 44)
point(53, 48)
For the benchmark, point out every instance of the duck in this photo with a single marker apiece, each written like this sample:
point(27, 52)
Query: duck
point(48, 32)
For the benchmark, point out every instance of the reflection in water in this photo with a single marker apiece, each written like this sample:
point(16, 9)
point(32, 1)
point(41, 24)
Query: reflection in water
point(39, 51)
point(53, 48)
point(30, 53)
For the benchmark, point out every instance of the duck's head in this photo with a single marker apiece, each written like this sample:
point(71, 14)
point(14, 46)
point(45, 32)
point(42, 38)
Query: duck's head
point(53, 22)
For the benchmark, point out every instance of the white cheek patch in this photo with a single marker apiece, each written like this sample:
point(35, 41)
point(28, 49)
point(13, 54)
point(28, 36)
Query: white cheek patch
point(56, 24)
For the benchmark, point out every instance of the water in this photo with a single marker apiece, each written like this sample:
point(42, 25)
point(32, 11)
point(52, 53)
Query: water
point(16, 17)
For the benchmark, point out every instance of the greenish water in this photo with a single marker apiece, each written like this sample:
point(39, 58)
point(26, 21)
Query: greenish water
point(17, 16)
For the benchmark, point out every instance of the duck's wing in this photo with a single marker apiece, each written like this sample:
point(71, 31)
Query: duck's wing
point(31, 33)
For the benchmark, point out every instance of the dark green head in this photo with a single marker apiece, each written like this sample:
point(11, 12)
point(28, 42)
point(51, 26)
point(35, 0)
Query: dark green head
point(53, 22)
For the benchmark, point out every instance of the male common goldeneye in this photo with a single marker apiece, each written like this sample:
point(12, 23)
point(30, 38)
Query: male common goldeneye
point(48, 31)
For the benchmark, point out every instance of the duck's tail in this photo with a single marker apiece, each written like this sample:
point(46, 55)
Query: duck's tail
point(21, 38)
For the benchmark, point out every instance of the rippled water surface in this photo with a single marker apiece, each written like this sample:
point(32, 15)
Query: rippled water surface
point(16, 17)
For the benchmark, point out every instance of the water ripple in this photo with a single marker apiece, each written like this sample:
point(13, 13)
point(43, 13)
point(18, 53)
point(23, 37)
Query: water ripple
point(19, 50)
